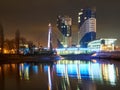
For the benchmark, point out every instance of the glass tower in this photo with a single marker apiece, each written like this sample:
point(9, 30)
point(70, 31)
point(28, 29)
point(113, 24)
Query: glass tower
point(87, 26)
point(64, 24)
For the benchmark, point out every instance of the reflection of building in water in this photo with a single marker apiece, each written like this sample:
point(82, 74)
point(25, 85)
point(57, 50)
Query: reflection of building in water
point(2, 78)
point(47, 69)
point(109, 73)
point(82, 70)
point(24, 71)
point(49, 79)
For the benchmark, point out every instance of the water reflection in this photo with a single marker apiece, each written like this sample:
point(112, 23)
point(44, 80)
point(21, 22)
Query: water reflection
point(100, 72)
point(87, 74)
point(23, 76)
point(65, 75)
point(24, 71)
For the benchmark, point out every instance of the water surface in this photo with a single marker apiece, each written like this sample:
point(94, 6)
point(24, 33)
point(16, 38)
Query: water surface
point(65, 75)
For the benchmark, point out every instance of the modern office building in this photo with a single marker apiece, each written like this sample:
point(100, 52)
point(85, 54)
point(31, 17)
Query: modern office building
point(64, 24)
point(87, 26)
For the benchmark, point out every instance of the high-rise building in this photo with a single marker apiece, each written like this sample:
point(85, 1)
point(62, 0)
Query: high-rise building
point(87, 26)
point(64, 25)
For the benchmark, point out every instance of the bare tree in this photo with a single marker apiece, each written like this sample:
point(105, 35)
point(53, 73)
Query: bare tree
point(17, 40)
point(1, 39)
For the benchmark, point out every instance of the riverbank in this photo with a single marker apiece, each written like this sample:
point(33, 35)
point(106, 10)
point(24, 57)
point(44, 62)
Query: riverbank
point(77, 56)
point(29, 58)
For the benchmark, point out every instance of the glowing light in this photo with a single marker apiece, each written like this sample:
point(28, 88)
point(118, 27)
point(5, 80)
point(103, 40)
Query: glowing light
point(95, 71)
point(87, 70)
point(94, 61)
point(84, 70)
point(60, 69)
point(46, 68)
point(6, 51)
point(0, 69)
point(80, 13)
point(111, 72)
point(13, 66)
point(24, 71)
point(105, 72)
point(35, 69)
point(94, 54)
point(49, 36)
point(76, 50)
point(49, 79)
point(72, 69)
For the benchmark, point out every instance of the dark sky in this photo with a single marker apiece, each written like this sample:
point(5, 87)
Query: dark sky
point(31, 17)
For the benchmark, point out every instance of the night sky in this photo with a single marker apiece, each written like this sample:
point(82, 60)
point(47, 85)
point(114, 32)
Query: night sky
point(31, 17)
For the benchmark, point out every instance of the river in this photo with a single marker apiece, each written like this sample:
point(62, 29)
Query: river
point(63, 75)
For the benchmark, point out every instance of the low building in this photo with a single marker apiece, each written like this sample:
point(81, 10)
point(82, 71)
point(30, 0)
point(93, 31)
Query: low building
point(104, 44)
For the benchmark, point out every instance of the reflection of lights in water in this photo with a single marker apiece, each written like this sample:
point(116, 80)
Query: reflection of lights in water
point(41, 68)
point(60, 69)
point(95, 71)
point(111, 73)
point(6, 66)
point(49, 79)
point(94, 61)
point(20, 70)
point(87, 69)
point(78, 72)
point(117, 73)
point(46, 68)
point(72, 69)
point(105, 73)
point(0, 69)
point(24, 71)
point(35, 69)
point(13, 66)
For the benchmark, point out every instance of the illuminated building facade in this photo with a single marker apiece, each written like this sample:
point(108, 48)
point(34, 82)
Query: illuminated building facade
point(64, 25)
point(103, 44)
point(87, 26)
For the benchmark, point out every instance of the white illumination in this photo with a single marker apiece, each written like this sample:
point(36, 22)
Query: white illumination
point(49, 35)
